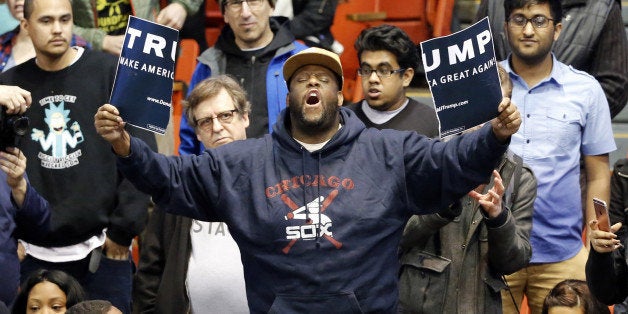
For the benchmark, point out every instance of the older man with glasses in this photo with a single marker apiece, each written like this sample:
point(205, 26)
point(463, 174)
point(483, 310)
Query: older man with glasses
point(388, 59)
point(252, 48)
point(190, 264)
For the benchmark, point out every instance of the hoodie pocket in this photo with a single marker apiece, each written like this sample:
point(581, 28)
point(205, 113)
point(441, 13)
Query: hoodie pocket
point(422, 282)
point(342, 302)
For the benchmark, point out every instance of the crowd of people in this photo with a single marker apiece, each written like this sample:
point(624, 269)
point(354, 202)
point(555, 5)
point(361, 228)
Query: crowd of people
point(285, 197)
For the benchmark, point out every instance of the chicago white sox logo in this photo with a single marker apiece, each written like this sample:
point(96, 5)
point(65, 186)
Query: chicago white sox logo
point(315, 220)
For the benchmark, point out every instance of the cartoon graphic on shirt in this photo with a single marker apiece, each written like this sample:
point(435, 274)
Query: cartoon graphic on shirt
point(59, 138)
point(316, 224)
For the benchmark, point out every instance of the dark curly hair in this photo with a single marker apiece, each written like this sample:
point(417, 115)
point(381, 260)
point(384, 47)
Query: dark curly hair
point(389, 38)
point(556, 10)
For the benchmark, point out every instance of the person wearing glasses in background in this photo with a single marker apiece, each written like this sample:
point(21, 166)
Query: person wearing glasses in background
point(565, 115)
point(388, 59)
point(252, 48)
point(592, 39)
point(193, 266)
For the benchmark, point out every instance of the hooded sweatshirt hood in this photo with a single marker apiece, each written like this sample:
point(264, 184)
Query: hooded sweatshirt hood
point(348, 133)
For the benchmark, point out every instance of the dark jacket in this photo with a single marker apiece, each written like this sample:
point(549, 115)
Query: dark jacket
point(338, 254)
point(415, 116)
point(159, 284)
point(592, 39)
point(454, 265)
point(30, 222)
point(607, 273)
point(312, 22)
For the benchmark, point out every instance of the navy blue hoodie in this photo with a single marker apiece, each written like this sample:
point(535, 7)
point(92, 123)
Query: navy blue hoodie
point(338, 254)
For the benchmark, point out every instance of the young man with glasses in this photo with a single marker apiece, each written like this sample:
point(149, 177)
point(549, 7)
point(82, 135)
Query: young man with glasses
point(193, 266)
point(565, 115)
point(252, 48)
point(592, 39)
point(388, 59)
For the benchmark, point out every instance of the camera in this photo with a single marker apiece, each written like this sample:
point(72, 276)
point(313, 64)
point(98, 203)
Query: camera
point(12, 127)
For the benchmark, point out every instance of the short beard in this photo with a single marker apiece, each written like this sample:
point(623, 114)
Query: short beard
point(325, 122)
point(533, 60)
point(54, 55)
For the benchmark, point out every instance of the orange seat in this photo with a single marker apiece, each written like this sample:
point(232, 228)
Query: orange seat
point(211, 35)
point(346, 31)
point(213, 16)
point(439, 13)
point(186, 60)
point(186, 63)
point(178, 94)
point(214, 21)
point(135, 250)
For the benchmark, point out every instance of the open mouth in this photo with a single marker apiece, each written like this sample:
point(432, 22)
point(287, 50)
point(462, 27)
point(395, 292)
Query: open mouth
point(313, 98)
point(373, 93)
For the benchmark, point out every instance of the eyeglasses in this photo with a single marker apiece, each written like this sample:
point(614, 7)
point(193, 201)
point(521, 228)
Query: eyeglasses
point(382, 72)
point(206, 124)
point(236, 5)
point(538, 21)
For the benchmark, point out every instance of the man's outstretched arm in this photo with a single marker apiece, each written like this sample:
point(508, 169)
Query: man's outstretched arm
point(110, 126)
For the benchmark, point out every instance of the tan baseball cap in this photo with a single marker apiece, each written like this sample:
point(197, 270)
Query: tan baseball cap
point(313, 56)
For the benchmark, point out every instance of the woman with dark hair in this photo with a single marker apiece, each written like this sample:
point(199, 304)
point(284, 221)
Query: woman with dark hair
point(572, 295)
point(52, 289)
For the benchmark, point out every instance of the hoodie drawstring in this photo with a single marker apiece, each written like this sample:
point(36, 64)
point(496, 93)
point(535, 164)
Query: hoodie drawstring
point(318, 197)
point(308, 220)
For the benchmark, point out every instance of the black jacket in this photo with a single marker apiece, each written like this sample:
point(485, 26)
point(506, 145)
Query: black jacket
point(607, 273)
point(159, 284)
point(312, 22)
point(69, 164)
